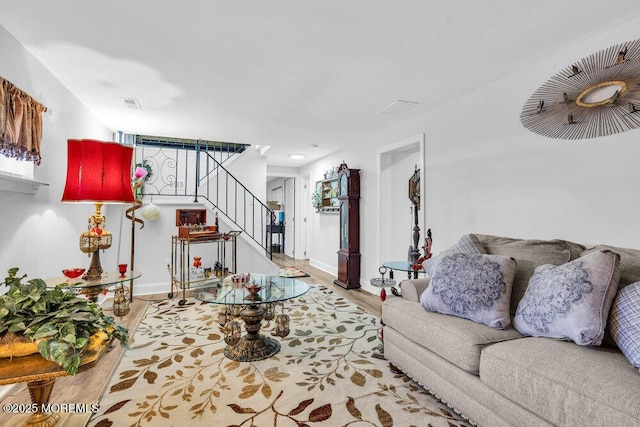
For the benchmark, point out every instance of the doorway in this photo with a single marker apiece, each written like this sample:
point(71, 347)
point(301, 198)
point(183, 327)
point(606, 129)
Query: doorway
point(289, 207)
point(293, 193)
point(396, 164)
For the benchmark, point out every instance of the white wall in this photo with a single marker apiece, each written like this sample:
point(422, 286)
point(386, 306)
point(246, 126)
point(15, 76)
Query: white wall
point(39, 234)
point(486, 173)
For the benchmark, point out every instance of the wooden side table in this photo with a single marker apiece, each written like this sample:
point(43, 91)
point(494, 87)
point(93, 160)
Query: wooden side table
point(275, 229)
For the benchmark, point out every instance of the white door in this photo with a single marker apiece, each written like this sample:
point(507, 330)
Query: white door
point(289, 216)
point(304, 209)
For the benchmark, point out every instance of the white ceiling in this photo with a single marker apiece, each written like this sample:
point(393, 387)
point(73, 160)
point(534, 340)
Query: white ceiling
point(290, 73)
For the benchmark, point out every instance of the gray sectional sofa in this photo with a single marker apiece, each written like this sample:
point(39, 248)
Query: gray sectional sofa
point(499, 377)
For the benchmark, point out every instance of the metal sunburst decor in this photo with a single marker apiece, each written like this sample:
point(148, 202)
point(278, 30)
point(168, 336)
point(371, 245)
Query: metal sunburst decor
point(596, 96)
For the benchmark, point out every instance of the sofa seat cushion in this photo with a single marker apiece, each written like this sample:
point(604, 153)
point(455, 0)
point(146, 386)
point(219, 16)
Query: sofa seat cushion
point(564, 383)
point(529, 254)
point(458, 340)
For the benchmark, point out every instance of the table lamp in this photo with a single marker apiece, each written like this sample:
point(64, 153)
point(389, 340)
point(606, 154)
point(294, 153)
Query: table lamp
point(97, 172)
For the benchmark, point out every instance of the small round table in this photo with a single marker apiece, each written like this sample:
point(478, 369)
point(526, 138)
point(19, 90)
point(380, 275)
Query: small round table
point(382, 282)
point(402, 266)
point(252, 309)
point(93, 288)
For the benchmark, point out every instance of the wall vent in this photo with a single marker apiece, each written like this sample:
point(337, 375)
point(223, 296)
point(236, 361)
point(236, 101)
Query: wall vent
point(132, 103)
point(398, 107)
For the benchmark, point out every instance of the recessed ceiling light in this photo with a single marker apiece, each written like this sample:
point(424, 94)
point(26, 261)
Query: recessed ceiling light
point(296, 156)
point(397, 108)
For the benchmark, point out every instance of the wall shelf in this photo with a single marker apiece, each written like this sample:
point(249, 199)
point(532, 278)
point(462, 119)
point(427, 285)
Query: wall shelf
point(328, 202)
point(17, 184)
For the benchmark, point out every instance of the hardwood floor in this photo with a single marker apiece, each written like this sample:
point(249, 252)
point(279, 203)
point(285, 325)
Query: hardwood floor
point(87, 386)
point(364, 299)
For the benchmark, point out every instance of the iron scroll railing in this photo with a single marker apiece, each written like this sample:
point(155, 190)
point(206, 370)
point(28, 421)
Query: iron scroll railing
point(195, 169)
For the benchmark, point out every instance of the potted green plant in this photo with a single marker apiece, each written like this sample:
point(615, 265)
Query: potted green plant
point(316, 199)
point(57, 319)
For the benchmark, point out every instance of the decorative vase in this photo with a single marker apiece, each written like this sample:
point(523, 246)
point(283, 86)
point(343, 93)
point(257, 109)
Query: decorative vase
point(197, 272)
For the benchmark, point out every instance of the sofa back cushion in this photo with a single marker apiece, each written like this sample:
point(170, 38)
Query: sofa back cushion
point(468, 244)
point(629, 263)
point(629, 273)
point(529, 254)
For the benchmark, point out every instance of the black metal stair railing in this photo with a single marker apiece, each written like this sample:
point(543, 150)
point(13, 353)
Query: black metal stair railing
point(195, 169)
point(226, 194)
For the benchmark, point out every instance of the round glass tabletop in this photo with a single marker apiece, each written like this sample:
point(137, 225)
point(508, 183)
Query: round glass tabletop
point(107, 279)
point(401, 266)
point(273, 289)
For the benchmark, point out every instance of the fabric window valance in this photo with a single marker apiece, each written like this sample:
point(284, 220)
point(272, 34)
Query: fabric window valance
point(20, 123)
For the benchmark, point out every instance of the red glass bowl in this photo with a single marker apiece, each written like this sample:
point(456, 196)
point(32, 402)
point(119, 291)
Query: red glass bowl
point(72, 273)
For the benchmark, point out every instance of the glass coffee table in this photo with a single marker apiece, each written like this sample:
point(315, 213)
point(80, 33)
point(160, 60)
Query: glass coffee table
point(253, 302)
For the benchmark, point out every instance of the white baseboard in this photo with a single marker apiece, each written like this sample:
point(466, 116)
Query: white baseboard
point(322, 266)
point(152, 288)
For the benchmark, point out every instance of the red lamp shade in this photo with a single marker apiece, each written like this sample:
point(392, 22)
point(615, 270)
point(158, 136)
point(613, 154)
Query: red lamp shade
point(98, 171)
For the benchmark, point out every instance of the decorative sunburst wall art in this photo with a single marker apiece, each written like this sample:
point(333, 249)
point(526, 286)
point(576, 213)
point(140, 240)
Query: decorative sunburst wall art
point(596, 96)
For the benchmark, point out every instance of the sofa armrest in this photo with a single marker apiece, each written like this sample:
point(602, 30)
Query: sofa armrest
point(412, 289)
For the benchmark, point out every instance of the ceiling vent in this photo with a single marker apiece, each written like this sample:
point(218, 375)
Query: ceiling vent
point(398, 107)
point(132, 103)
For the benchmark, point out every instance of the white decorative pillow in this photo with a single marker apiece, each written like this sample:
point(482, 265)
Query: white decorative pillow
point(624, 322)
point(468, 244)
point(570, 301)
point(474, 286)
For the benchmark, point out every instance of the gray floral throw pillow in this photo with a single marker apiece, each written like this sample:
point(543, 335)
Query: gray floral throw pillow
point(570, 301)
point(474, 286)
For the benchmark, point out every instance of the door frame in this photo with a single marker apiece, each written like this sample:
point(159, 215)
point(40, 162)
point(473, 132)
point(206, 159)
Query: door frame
point(417, 142)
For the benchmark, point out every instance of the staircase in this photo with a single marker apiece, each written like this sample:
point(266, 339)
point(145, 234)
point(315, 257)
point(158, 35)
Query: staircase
point(194, 169)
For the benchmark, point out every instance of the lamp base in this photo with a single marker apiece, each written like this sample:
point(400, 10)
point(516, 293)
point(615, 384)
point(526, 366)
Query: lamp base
point(95, 269)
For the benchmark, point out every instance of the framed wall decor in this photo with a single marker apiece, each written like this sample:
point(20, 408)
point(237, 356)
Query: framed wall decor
point(414, 187)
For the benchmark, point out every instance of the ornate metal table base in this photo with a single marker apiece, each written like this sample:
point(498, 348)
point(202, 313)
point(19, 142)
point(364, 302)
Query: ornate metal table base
point(40, 392)
point(253, 346)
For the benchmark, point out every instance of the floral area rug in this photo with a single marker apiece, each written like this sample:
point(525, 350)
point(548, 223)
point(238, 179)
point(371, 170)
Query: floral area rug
point(176, 373)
